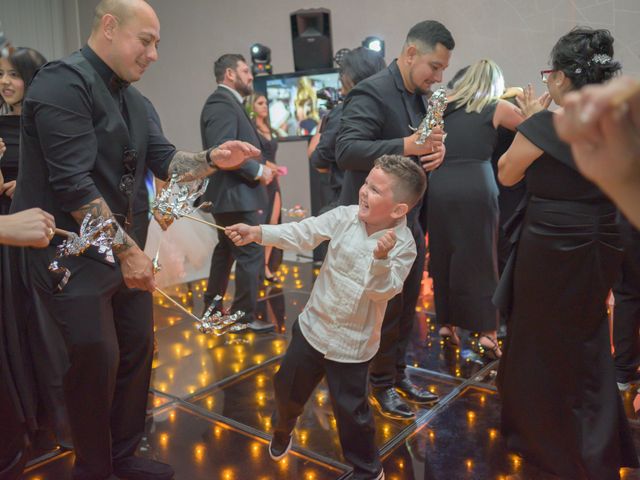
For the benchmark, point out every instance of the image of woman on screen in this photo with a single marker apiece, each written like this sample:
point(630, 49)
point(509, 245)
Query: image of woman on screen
point(256, 106)
point(306, 104)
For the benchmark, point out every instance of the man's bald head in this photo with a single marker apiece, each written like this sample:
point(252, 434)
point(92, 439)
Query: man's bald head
point(125, 36)
point(122, 9)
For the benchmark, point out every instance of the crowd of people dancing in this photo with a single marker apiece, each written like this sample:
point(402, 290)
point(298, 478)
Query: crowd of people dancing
point(531, 213)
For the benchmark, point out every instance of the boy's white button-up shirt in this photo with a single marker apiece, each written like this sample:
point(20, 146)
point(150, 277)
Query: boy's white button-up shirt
point(344, 314)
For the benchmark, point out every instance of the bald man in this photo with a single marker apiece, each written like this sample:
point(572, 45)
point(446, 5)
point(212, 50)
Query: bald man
point(85, 142)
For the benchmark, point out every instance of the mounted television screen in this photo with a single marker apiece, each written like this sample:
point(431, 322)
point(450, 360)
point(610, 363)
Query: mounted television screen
point(295, 109)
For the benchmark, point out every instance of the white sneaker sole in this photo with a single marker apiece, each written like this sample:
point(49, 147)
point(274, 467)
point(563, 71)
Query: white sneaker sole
point(277, 458)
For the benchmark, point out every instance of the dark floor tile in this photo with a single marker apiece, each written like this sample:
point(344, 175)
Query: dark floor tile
point(426, 350)
point(461, 442)
point(157, 400)
point(188, 361)
point(250, 401)
point(281, 307)
point(201, 449)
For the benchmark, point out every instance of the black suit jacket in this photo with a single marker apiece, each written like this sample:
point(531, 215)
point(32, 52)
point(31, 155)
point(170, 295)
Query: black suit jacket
point(224, 118)
point(376, 117)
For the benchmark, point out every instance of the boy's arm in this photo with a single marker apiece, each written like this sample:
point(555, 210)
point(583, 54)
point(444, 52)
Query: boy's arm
point(304, 235)
point(390, 265)
point(308, 233)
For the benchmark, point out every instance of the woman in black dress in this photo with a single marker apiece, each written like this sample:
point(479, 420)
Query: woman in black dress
point(258, 111)
point(17, 381)
point(463, 206)
point(560, 404)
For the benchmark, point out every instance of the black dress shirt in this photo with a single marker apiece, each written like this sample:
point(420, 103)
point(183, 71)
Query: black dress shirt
point(70, 132)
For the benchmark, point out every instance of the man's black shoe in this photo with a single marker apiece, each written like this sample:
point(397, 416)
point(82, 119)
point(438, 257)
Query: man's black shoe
point(391, 405)
point(414, 393)
point(259, 326)
point(279, 446)
point(139, 468)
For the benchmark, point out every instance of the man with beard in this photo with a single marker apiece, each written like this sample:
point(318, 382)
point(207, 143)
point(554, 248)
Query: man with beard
point(237, 196)
point(376, 120)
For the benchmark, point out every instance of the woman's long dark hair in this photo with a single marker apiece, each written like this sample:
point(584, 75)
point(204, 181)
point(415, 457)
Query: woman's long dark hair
point(26, 61)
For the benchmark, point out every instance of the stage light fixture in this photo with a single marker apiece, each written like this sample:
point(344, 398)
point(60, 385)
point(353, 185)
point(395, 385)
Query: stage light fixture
point(260, 59)
point(374, 43)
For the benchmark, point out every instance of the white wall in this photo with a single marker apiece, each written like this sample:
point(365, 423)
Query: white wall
point(49, 26)
point(518, 34)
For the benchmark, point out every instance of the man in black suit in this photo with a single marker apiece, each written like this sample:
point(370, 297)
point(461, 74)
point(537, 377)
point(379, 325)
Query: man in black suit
point(85, 140)
point(238, 196)
point(376, 120)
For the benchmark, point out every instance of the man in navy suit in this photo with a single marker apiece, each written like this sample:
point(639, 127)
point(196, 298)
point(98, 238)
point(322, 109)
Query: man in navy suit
point(238, 196)
point(376, 120)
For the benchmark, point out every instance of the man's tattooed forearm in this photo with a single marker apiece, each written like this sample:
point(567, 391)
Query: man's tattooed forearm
point(99, 208)
point(190, 166)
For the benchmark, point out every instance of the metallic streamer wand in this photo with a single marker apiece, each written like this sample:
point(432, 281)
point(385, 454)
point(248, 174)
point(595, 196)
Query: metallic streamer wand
point(434, 116)
point(218, 326)
point(94, 232)
point(176, 200)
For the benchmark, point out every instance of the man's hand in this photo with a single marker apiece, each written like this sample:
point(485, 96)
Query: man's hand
point(137, 269)
point(267, 175)
point(384, 245)
point(432, 144)
point(29, 228)
point(8, 188)
point(3, 147)
point(164, 221)
point(242, 234)
point(232, 154)
point(433, 160)
point(604, 138)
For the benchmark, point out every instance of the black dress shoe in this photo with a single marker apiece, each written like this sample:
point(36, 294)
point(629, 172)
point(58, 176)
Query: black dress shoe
point(391, 405)
point(139, 468)
point(413, 393)
point(259, 326)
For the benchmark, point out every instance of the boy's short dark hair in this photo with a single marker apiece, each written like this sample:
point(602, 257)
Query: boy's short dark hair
point(410, 180)
point(228, 60)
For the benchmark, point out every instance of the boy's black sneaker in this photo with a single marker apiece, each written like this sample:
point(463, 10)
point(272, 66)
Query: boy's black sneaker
point(279, 446)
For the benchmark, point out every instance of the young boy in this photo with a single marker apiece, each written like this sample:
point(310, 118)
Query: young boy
point(370, 253)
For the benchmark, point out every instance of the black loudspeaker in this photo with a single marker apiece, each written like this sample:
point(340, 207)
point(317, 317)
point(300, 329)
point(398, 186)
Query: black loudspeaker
point(311, 38)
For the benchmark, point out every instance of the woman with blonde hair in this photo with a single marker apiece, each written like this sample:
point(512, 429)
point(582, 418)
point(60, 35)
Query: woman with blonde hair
point(463, 207)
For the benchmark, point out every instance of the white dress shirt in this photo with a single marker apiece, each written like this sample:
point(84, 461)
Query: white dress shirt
point(343, 317)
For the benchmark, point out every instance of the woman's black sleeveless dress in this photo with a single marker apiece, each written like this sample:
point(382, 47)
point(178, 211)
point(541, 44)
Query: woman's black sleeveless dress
point(463, 222)
point(560, 404)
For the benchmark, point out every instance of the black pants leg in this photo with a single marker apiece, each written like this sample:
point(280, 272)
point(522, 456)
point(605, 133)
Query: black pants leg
point(389, 363)
point(410, 296)
point(133, 315)
point(249, 265)
point(626, 319)
point(300, 372)
point(100, 388)
point(356, 428)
